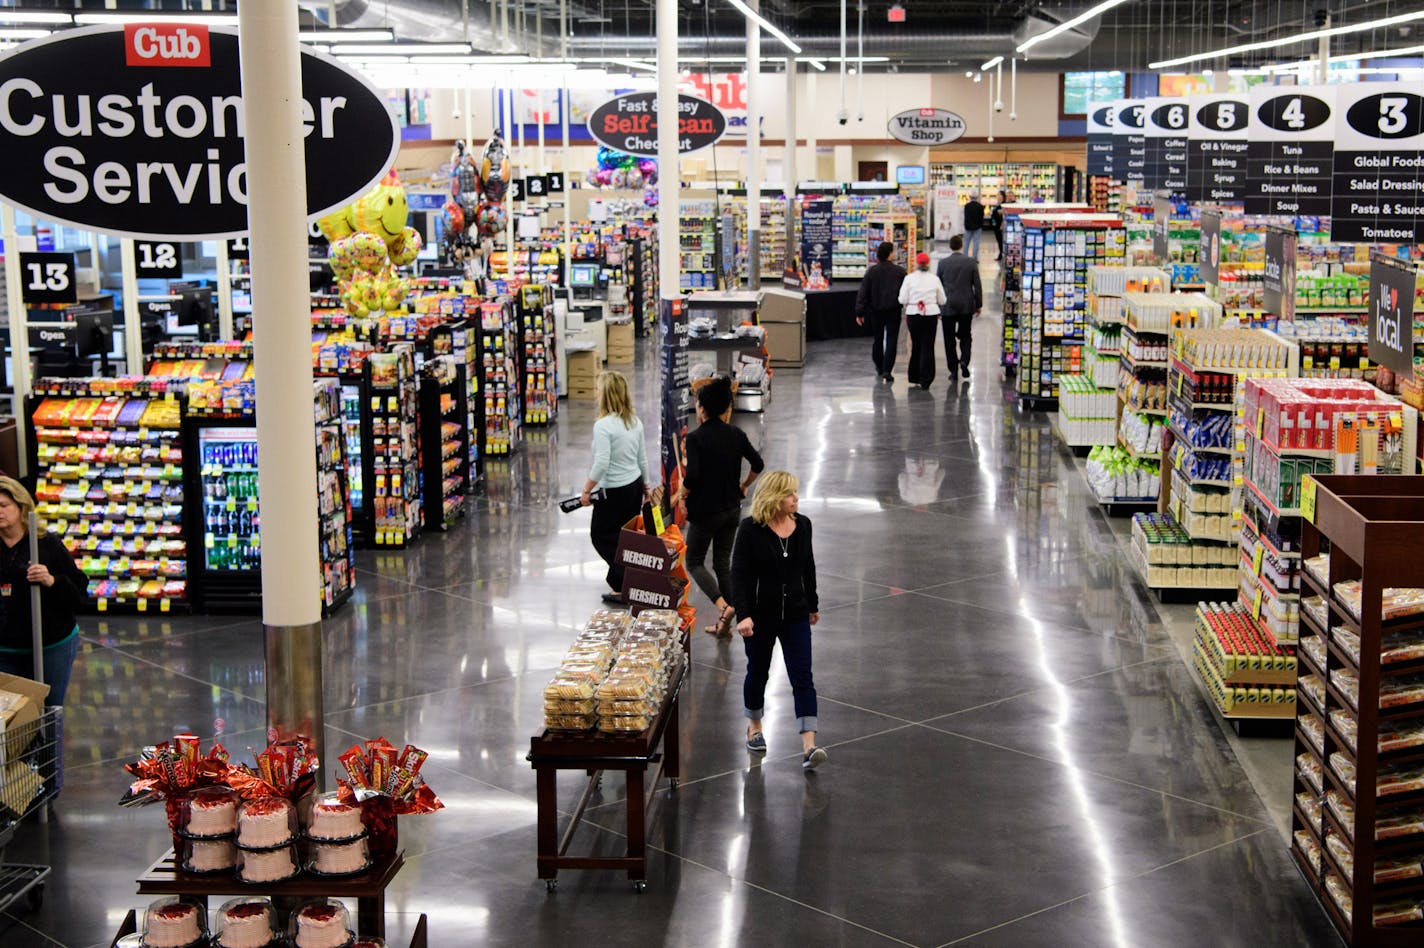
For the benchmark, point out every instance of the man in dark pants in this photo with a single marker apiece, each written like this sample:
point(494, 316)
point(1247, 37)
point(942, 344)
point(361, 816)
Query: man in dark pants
point(973, 225)
point(996, 224)
point(965, 299)
point(878, 301)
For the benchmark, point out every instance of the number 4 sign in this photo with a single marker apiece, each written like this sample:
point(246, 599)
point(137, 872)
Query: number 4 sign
point(48, 278)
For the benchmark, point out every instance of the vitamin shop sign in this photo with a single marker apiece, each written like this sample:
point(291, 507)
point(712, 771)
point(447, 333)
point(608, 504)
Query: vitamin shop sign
point(137, 130)
point(629, 124)
point(926, 127)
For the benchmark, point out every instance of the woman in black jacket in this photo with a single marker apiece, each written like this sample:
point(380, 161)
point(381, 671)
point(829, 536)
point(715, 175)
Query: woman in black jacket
point(879, 301)
point(774, 590)
point(63, 589)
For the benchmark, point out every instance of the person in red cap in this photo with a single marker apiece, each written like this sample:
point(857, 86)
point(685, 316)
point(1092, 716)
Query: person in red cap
point(922, 295)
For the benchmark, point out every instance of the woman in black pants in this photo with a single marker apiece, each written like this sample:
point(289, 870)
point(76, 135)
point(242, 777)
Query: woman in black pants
point(774, 587)
point(713, 490)
point(620, 465)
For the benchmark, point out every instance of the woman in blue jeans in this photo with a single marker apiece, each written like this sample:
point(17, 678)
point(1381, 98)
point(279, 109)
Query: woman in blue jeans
point(62, 591)
point(774, 589)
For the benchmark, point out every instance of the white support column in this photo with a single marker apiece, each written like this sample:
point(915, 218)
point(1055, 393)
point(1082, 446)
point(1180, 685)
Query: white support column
point(814, 174)
point(20, 381)
point(281, 334)
point(790, 173)
point(224, 292)
point(753, 150)
point(669, 260)
point(567, 165)
point(509, 190)
point(133, 325)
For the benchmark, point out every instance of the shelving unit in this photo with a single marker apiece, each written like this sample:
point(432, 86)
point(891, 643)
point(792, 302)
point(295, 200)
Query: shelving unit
point(897, 228)
point(697, 244)
point(334, 502)
point(443, 431)
point(461, 339)
point(393, 389)
point(1022, 181)
point(503, 411)
point(538, 356)
point(1361, 682)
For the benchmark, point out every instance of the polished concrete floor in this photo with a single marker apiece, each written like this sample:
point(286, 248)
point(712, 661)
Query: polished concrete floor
point(1018, 754)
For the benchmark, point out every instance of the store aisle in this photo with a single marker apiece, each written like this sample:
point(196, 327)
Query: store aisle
point(1018, 754)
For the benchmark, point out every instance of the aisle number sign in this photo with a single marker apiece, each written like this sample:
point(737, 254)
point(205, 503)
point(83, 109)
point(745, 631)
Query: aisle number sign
point(1378, 194)
point(1165, 128)
point(1216, 148)
point(146, 140)
point(1100, 139)
point(48, 278)
point(1292, 134)
point(1129, 142)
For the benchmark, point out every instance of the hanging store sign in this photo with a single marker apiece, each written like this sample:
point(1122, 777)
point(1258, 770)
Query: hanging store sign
point(1216, 148)
point(146, 140)
point(1165, 129)
point(1210, 246)
point(629, 124)
point(928, 127)
point(1100, 139)
point(1391, 320)
point(1378, 193)
point(1292, 135)
point(157, 261)
point(1129, 140)
point(816, 243)
point(1278, 275)
point(48, 278)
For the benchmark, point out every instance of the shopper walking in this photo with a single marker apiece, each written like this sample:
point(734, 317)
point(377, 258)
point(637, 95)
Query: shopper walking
point(877, 301)
point(996, 224)
point(620, 466)
point(774, 588)
point(965, 300)
point(712, 492)
point(973, 224)
point(922, 295)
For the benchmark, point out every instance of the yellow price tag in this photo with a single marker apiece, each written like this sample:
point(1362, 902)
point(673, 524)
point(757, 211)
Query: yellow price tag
point(1334, 362)
point(1256, 605)
point(1260, 422)
point(1307, 498)
point(163, 605)
point(658, 524)
point(103, 605)
point(231, 504)
point(252, 504)
point(142, 604)
point(1258, 558)
point(208, 541)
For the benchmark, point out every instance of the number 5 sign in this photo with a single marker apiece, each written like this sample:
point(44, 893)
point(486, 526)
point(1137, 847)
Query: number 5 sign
point(48, 278)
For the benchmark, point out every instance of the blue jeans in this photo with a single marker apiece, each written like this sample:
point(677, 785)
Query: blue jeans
point(795, 637)
point(58, 662)
point(971, 242)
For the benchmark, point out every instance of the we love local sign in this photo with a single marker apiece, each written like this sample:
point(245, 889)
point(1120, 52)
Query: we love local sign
point(137, 130)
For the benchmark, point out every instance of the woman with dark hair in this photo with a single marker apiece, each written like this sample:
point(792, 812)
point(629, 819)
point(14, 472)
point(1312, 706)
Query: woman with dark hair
point(712, 491)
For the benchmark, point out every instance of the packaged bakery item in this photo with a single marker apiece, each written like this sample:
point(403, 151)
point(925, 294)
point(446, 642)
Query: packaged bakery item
point(625, 724)
point(570, 706)
point(1308, 849)
point(1340, 894)
point(339, 859)
point(1399, 823)
point(209, 812)
point(1400, 736)
point(1348, 641)
point(1344, 855)
point(205, 856)
point(623, 688)
point(590, 670)
point(172, 922)
point(1399, 868)
point(1309, 769)
point(664, 618)
point(1401, 647)
point(267, 865)
point(1315, 607)
point(1314, 646)
point(324, 923)
point(1343, 809)
point(569, 722)
point(1399, 778)
point(1313, 687)
point(1311, 806)
point(1348, 684)
point(1395, 692)
point(1344, 768)
point(266, 822)
point(563, 686)
point(639, 706)
point(1319, 568)
point(1398, 912)
point(1314, 731)
point(1346, 726)
point(330, 818)
point(246, 923)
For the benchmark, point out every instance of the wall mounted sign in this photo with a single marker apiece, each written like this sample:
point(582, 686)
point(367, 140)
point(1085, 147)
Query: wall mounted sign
point(146, 140)
point(629, 124)
point(1292, 139)
point(1129, 141)
point(1378, 192)
point(160, 260)
point(1391, 320)
point(929, 127)
point(1216, 148)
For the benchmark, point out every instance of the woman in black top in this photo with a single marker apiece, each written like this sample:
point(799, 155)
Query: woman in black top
point(774, 588)
point(62, 591)
point(712, 491)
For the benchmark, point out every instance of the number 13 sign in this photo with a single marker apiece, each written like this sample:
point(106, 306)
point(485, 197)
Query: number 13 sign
point(48, 278)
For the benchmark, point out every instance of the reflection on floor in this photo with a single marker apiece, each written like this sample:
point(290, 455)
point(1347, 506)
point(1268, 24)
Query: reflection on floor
point(1018, 755)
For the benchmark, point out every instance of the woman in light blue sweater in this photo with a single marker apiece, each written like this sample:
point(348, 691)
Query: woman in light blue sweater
point(620, 466)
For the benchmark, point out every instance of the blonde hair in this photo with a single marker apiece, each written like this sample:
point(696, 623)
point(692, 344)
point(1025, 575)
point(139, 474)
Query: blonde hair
point(16, 492)
point(613, 398)
point(771, 489)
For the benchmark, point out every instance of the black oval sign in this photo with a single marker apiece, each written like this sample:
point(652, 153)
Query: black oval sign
point(1131, 116)
point(146, 139)
point(1104, 116)
point(1388, 115)
point(1293, 113)
point(1224, 116)
point(1173, 116)
point(629, 124)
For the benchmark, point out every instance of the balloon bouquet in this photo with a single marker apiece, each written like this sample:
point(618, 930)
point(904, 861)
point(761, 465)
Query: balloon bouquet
point(369, 239)
point(616, 170)
point(475, 208)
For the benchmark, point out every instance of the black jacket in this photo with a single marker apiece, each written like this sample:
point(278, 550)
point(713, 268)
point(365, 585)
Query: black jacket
point(960, 275)
point(880, 288)
point(768, 585)
point(996, 217)
point(58, 603)
point(714, 468)
point(973, 215)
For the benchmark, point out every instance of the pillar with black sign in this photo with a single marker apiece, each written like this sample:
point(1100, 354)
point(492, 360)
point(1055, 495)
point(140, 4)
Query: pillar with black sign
point(753, 149)
point(1291, 135)
point(672, 320)
point(1378, 173)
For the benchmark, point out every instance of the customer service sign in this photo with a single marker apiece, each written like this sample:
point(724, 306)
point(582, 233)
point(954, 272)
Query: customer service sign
point(137, 130)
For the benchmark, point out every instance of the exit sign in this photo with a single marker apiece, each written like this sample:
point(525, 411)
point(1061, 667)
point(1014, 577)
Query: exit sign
point(896, 14)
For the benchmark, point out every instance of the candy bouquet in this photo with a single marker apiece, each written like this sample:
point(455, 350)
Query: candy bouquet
point(172, 770)
point(387, 783)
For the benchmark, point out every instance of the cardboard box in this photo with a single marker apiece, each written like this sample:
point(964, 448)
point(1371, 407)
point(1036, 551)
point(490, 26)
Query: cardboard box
point(786, 344)
point(20, 786)
point(582, 366)
point(21, 701)
point(620, 334)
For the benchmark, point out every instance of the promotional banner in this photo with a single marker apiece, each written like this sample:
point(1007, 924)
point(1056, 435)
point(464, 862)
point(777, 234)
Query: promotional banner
point(927, 127)
point(677, 393)
point(146, 139)
point(1129, 142)
point(1278, 277)
point(1100, 138)
point(948, 212)
point(1292, 140)
point(1210, 255)
point(1216, 148)
point(1378, 193)
point(629, 124)
point(816, 243)
point(1391, 320)
point(1165, 132)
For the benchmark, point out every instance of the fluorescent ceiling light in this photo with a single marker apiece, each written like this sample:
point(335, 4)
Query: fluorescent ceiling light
point(819, 66)
point(22, 34)
point(514, 60)
point(765, 24)
point(347, 36)
point(1067, 25)
point(991, 64)
point(1289, 40)
point(8, 15)
point(145, 16)
point(849, 59)
point(409, 49)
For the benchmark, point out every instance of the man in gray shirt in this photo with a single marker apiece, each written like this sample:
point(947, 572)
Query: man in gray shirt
point(960, 276)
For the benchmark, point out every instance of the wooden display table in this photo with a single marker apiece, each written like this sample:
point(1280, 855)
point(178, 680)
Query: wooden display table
point(368, 889)
point(551, 751)
point(420, 939)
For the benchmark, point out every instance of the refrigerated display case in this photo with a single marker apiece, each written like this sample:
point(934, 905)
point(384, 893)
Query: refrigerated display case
point(224, 512)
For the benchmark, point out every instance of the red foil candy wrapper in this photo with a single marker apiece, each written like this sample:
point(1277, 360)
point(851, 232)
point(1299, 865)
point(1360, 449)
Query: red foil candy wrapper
point(355, 764)
point(379, 814)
